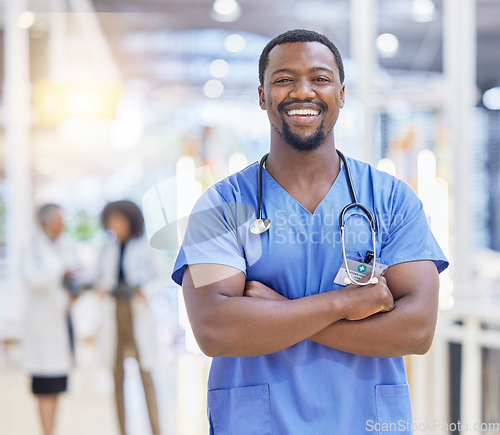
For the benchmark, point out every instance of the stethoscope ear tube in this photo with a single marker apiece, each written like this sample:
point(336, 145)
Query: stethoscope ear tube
point(259, 180)
point(350, 186)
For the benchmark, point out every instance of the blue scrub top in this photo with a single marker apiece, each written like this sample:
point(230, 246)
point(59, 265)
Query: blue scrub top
point(307, 388)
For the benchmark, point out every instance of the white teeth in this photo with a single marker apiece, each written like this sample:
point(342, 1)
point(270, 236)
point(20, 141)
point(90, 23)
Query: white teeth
point(302, 112)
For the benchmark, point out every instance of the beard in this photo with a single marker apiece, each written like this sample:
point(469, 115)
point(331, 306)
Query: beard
point(296, 141)
point(300, 143)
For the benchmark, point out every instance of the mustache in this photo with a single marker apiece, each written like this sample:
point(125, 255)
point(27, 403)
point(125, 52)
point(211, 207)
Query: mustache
point(283, 105)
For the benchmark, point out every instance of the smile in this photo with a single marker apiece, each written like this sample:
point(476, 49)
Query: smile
point(302, 112)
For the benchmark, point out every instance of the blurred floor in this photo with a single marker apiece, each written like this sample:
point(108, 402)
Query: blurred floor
point(88, 407)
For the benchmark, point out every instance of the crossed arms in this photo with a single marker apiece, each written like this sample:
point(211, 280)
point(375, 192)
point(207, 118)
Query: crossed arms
point(231, 317)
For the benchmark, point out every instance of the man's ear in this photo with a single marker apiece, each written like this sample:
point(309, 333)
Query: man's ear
point(342, 96)
point(262, 98)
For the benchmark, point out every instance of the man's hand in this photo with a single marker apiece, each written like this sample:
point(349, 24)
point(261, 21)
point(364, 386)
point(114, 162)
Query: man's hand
point(364, 301)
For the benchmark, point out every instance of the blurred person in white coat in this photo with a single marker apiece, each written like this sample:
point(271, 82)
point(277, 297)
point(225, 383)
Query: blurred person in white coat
point(49, 264)
point(130, 273)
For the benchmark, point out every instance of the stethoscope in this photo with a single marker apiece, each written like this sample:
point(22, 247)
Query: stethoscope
point(261, 225)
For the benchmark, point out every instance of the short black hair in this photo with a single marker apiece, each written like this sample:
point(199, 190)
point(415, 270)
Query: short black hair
point(299, 35)
point(129, 211)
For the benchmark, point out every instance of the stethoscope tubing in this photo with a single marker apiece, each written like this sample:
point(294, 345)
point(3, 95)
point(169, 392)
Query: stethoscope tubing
point(342, 218)
point(259, 180)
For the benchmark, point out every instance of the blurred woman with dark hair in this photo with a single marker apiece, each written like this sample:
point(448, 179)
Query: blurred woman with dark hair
point(131, 273)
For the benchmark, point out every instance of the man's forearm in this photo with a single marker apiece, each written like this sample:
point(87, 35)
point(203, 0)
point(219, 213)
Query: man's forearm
point(403, 331)
point(241, 326)
point(227, 322)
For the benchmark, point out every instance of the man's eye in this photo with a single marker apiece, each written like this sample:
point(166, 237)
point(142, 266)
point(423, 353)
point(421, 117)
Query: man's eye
point(283, 80)
point(321, 79)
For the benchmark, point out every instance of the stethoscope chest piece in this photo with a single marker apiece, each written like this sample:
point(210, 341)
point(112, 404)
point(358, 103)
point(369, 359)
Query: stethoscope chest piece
point(260, 226)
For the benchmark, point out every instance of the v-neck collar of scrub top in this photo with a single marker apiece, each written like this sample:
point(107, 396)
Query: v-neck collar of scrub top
point(282, 193)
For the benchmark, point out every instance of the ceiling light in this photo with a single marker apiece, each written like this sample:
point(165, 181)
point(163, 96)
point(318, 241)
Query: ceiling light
point(225, 7)
point(225, 10)
point(26, 20)
point(387, 45)
point(213, 89)
point(235, 43)
point(219, 68)
point(491, 98)
point(423, 10)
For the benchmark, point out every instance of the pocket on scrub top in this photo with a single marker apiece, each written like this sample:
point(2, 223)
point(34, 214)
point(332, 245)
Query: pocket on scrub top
point(240, 411)
point(393, 409)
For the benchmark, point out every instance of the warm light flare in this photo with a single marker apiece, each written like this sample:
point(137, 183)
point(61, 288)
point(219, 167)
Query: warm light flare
point(57, 102)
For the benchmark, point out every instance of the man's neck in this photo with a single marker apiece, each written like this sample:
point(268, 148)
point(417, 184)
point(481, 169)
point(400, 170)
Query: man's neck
point(303, 167)
point(306, 176)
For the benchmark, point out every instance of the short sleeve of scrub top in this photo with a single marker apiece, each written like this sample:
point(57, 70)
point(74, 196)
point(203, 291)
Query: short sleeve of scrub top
point(405, 232)
point(211, 235)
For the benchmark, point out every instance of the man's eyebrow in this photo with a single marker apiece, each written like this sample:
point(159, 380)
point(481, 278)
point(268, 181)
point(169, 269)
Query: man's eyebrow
point(313, 69)
point(281, 70)
point(321, 68)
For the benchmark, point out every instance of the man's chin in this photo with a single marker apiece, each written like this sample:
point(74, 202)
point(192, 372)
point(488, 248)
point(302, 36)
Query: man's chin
point(304, 144)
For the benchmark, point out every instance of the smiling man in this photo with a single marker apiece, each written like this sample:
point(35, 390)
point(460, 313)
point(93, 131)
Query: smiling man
point(302, 342)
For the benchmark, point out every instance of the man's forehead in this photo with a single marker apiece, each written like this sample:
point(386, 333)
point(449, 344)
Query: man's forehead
point(313, 52)
point(298, 47)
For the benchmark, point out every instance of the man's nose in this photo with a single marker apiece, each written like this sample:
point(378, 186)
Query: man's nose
point(302, 90)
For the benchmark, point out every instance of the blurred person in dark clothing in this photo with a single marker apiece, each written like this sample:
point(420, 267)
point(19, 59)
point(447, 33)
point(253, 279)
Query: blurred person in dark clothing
point(130, 274)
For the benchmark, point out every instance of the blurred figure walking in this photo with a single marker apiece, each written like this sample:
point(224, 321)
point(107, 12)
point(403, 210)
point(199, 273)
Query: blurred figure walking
point(131, 272)
point(49, 266)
